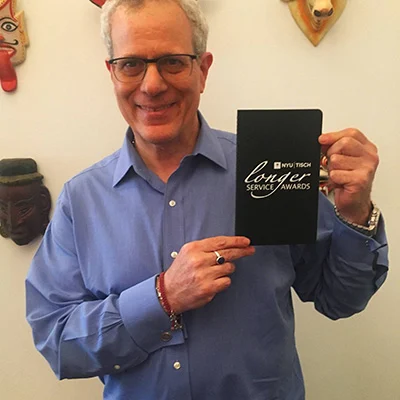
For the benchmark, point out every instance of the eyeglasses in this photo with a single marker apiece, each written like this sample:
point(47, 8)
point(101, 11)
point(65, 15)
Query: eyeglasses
point(172, 67)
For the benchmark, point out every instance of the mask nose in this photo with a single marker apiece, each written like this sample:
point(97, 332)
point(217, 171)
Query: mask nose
point(12, 220)
point(323, 12)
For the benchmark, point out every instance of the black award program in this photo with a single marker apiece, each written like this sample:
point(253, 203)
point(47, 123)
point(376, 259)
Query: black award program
point(277, 176)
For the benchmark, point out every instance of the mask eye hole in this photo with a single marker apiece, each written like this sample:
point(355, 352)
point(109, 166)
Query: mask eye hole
point(24, 211)
point(9, 26)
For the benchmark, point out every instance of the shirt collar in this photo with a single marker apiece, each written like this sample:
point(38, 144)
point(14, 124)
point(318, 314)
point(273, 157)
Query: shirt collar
point(207, 145)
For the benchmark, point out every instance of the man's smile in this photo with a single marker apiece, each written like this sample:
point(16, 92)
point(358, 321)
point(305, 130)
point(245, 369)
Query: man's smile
point(153, 108)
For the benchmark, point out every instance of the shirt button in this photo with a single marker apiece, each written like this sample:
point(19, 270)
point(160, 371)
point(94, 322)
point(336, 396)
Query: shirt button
point(172, 203)
point(177, 365)
point(174, 254)
point(166, 336)
point(117, 367)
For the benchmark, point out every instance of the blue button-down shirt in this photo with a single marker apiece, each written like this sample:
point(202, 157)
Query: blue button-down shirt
point(93, 308)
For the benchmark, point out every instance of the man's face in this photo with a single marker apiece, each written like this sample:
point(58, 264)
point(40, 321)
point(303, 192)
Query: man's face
point(13, 38)
point(22, 212)
point(159, 112)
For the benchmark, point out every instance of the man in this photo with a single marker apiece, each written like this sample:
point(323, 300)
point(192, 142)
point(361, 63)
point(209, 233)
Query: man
point(24, 201)
point(139, 279)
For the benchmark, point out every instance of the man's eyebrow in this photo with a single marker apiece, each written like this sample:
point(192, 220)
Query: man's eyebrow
point(146, 58)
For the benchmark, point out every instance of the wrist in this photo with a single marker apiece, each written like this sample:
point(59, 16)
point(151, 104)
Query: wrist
point(359, 214)
point(162, 298)
point(367, 226)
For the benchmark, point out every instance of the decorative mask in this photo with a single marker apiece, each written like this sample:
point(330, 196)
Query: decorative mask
point(98, 3)
point(24, 202)
point(316, 17)
point(13, 42)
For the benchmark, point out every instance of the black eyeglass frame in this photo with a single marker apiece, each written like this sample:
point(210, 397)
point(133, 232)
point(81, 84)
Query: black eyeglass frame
point(147, 61)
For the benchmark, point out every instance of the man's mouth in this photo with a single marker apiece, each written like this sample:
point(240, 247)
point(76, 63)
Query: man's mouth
point(154, 109)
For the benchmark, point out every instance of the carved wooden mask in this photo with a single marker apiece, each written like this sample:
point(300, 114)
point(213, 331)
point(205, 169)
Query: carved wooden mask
point(316, 17)
point(24, 201)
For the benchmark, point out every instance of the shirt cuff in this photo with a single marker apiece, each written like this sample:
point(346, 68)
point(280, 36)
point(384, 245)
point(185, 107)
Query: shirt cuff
point(360, 249)
point(146, 321)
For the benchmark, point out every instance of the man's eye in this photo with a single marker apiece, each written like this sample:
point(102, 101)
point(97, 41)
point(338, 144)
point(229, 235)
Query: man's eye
point(131, 67)
point(9, 26)
point(131, 64)
point(173, 62)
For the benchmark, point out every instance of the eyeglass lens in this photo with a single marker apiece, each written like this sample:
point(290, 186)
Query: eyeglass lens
point(171, 67)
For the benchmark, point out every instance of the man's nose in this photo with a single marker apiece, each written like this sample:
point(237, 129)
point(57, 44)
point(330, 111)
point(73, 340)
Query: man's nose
point(153, 83)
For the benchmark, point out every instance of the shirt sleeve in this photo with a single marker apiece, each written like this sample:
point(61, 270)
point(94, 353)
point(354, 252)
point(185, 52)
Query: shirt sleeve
point(81, 335)
point(343, 269)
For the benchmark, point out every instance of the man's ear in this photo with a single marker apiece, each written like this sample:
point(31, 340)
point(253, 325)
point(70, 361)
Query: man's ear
point(108, 65)
point(206, 60)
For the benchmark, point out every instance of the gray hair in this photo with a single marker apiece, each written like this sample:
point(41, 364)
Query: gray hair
point(190, 7)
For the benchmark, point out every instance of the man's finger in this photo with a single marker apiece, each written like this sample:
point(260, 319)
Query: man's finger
point(231, 254)
point(328, 139)
point(222, 242)
point(346, 146)
point(350, 179)
point(343, 162)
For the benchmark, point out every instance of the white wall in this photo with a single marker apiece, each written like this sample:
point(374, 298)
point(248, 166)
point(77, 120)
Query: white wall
point(64, 116)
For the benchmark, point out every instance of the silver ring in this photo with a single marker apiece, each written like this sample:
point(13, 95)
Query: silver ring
point(220, 260)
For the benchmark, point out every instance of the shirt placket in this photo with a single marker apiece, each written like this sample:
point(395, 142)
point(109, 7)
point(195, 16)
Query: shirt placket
point(173, 239)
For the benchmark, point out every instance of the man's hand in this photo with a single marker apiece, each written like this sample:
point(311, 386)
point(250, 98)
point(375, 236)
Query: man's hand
point(352, 162)
point(194, 278)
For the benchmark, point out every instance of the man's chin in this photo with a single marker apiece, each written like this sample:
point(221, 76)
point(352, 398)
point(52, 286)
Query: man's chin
point(157, 134)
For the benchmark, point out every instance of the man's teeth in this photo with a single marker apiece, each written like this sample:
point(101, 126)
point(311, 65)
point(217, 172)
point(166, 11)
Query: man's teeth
point(153, 109)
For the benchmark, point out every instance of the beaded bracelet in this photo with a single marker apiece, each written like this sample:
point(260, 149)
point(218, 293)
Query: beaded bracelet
point(162, 298)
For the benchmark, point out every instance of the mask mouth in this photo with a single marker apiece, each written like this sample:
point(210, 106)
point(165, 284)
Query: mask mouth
point(17, 234)
point(6, 47)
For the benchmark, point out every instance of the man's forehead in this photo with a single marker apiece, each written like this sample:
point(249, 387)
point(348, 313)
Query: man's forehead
point(166, 8)
point(155, 21)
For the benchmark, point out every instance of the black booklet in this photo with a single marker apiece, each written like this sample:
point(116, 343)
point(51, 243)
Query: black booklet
point(277, 176)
